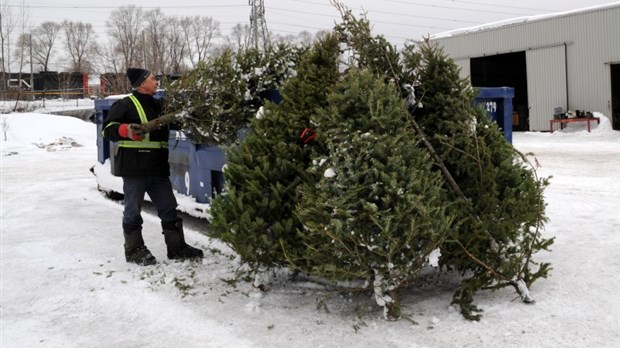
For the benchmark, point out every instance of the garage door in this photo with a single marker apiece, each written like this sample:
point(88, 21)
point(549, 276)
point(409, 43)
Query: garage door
point(546, 84)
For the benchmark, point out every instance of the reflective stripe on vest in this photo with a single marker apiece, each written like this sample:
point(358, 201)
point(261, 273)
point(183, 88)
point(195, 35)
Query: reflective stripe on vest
point(109, 124)
point(145, 143)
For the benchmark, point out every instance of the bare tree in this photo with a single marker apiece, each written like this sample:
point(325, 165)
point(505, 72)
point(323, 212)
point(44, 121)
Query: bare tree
point(199, 32)
point(81, 45)
point(303, 38)
point(109, 58)
point(177, 47)
point(278, 38)
point(111, 64)
point(43, 40)
point(154, 41)
point(238, 37)
point(8, 22)
point(320, 34)
point(125, 28)
point(21, 54)
point(21, 48)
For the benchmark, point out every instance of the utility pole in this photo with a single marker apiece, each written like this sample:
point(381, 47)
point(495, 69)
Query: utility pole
point(259, 36)
point(2, 55)
point(31, 68)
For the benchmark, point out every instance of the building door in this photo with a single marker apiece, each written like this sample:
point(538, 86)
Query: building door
point(615, 96)
point(547, 90)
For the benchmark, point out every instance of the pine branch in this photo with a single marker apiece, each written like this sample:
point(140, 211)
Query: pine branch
point(481, 263)
point(479, 161)
point(156, 124)
point(537, 234)
point(439, 161)
point(464, 153)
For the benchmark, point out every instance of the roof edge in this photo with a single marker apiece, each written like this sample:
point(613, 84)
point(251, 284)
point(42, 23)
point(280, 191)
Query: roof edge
point(520, 21)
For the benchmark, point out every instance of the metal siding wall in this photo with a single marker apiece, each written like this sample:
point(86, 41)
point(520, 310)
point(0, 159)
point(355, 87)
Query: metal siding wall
point(465, 67)
point(546, 85)
point(597, 42)
point(594, 38)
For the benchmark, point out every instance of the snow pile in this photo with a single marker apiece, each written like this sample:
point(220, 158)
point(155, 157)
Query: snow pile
point(24, 132)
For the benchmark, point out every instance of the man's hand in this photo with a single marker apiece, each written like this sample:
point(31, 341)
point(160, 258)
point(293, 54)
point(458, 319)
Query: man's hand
point(135, 131)
point(132, 131)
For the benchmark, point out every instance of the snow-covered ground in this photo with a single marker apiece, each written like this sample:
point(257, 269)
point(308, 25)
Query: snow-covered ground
point(65, 282)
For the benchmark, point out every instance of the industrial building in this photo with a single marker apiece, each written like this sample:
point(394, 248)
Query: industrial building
point(569, 60)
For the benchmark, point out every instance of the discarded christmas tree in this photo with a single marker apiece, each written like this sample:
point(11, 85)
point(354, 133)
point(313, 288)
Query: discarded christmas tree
point(217, 99)
point(501, 202)
point(255, 215)
point(378, 209)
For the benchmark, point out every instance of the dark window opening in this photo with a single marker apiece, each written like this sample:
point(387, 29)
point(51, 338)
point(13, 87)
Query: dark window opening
point(615, 96)
point(505, 70)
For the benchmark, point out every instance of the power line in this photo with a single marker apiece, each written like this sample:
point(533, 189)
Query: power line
point(375, 11)
point(457, 8)
point(423, 17)
point(78, 7)
point(495, 5)
point(296, 25)
point(450, 1)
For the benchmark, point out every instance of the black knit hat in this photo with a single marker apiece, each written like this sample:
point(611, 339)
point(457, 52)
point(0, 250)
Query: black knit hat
point(137, 76)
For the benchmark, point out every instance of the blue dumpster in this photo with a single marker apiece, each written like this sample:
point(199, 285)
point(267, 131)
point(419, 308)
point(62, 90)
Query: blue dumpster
point(102, 106)
point(497, 101)
point(195, 169)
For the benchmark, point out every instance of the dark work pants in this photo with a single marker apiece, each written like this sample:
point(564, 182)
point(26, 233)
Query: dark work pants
point(160, 191)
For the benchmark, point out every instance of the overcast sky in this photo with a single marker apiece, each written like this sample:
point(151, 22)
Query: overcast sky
point(396, 19)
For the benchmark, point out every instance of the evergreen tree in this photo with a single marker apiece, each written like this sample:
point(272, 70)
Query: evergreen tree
point(500, 204)
point(255, 216)
point(218, 98)
point(501, 201)
point(363, 50)
point(378, 209)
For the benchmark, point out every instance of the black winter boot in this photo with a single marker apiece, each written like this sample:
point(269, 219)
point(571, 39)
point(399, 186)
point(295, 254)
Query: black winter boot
point(175, 241)
point(135, 250)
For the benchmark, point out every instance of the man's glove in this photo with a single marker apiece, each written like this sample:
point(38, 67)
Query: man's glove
point(132, 131)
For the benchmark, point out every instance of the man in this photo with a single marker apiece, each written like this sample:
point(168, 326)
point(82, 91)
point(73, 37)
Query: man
point(142, 161)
